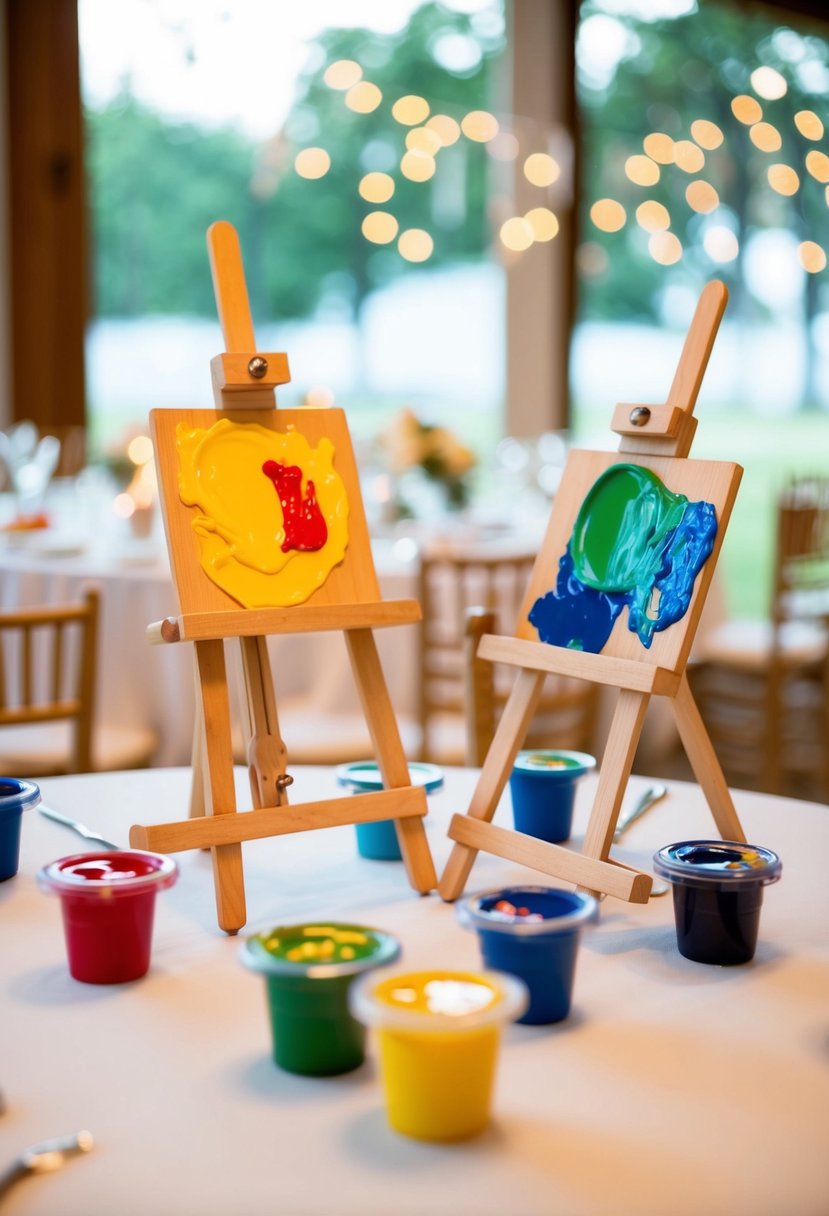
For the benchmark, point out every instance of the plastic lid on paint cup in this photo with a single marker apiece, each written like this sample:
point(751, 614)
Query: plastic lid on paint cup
point(319, 950)
point(721, 863)
point(17, 795)
point(365, 775)
point(109, 874)
point(530, 911)
point(437, 1001)
point(553, 763)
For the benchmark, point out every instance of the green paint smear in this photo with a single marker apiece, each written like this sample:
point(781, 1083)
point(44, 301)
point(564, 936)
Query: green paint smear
point(319, 943)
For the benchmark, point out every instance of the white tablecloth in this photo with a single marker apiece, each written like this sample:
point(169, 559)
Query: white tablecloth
point(672, 1087)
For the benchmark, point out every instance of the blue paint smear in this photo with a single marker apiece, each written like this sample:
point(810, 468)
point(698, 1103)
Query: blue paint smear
point(582, 618)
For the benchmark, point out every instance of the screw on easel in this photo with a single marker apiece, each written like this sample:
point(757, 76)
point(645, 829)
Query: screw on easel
point(639, 416)
point(282, 781)
point(257, 367)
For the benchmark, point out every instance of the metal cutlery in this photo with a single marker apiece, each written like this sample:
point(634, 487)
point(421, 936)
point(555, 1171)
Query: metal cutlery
point(45, 1157)
point(76, 826)
point(654, 793)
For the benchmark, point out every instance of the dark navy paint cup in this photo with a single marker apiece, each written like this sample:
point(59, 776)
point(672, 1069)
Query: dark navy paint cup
point(543, 791)
point(16, 796)
point(537, 941)
point(718, 892)
point(378, 841)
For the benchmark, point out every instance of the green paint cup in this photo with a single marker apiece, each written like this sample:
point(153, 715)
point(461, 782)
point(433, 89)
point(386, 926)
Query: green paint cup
point(308, 970)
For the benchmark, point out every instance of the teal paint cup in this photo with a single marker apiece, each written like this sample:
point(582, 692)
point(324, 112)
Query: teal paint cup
point(378, 841)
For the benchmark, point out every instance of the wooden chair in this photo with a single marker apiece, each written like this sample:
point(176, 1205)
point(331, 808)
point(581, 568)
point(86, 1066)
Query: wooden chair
point(460, 697)
point(763, 687)
point(47, 696)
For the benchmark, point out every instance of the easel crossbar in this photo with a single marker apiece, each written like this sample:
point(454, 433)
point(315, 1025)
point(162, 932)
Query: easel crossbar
point(210, 831)
point(599, 668)
point(611, 877)
point(264, 622)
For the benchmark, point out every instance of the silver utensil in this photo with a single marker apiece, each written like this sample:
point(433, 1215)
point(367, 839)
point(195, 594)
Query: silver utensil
point(44, 1158)
point(653, 794)
point(80, 828)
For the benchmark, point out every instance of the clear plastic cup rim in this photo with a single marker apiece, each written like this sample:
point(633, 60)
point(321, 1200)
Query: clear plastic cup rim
point(669, 863)
point(513, 1000)
point(471, 916)
point(255, 957)
point(53, 879)
point(527, 764)
point(21, 796)
point(365, 775)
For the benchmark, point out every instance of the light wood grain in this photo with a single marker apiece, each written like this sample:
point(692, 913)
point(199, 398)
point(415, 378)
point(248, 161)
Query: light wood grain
point(600, 668)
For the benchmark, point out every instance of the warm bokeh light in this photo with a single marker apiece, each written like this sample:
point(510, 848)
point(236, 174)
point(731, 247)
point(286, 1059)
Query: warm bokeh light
point(659, 147)
point(312, 162)
point(808, 124)
point(720, 243)
point(812, 257)
point(319, 397)
point(766, 137)
point(447, 129)
point(410, 110)
point(423, 139)
point(517, 234)
point(688, 156)
point(504, 146)
point(707, 134)
point(817, 164)
point(379, 227)
point(768, 83)
point(415, 245)
point(541, 169)
point(417, 166)
point(364, 97)
point(376, 187)
point(342, 74)
point(543, 222)
point(608, 215)
point(701, 196)
point(140, 449)
point(746, 109)
point(652, 216)
point(641, 170)
point(783, 179)
point(665, 248)
point(480, 126)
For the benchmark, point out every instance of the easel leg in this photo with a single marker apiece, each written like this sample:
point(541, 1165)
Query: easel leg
point(506, 743)
point(266, 752)
point(617, 761)
point(220, 791)
point(703, 759)
point(197, 807)
point(385, 735)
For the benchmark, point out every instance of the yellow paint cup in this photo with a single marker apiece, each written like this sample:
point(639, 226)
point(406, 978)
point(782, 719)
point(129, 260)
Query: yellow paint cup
point(438, 1034)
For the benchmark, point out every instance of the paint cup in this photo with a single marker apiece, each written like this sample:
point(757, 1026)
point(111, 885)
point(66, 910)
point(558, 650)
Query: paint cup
point(438, 1035)
point(378, 841)
point(532, 933)
point(718, 893)
point(308, 970)
point(108, 905)
point(543, 791)
point(16, 796)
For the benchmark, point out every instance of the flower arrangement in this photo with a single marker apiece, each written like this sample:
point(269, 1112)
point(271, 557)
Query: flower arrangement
point(409, 443)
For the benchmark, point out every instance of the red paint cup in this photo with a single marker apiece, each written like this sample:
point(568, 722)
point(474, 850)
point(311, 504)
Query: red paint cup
point(108, 905)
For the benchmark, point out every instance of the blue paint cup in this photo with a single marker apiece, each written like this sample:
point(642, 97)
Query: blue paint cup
point(718, 892)
point(543, 791)
point(532, 933)
point(16, 796)
point(378, 841)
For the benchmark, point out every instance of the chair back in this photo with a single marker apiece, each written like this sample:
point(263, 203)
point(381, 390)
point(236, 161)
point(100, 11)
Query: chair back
point(463, 596)
point(47, 673)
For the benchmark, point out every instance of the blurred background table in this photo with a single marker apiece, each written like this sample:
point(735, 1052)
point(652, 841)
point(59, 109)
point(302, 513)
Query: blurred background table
point(672, 1086)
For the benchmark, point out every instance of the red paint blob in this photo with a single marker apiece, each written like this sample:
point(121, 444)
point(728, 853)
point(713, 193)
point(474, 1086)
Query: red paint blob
point(305, 528)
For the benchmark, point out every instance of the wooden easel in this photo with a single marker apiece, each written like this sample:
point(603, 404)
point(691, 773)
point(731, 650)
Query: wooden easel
point(657, 438)
point(348, 600)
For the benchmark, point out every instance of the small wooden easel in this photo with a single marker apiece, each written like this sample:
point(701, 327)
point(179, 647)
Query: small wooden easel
point(348, 599)
point(657, 438)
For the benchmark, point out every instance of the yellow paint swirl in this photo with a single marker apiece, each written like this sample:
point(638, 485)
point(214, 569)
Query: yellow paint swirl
point(240, 527)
